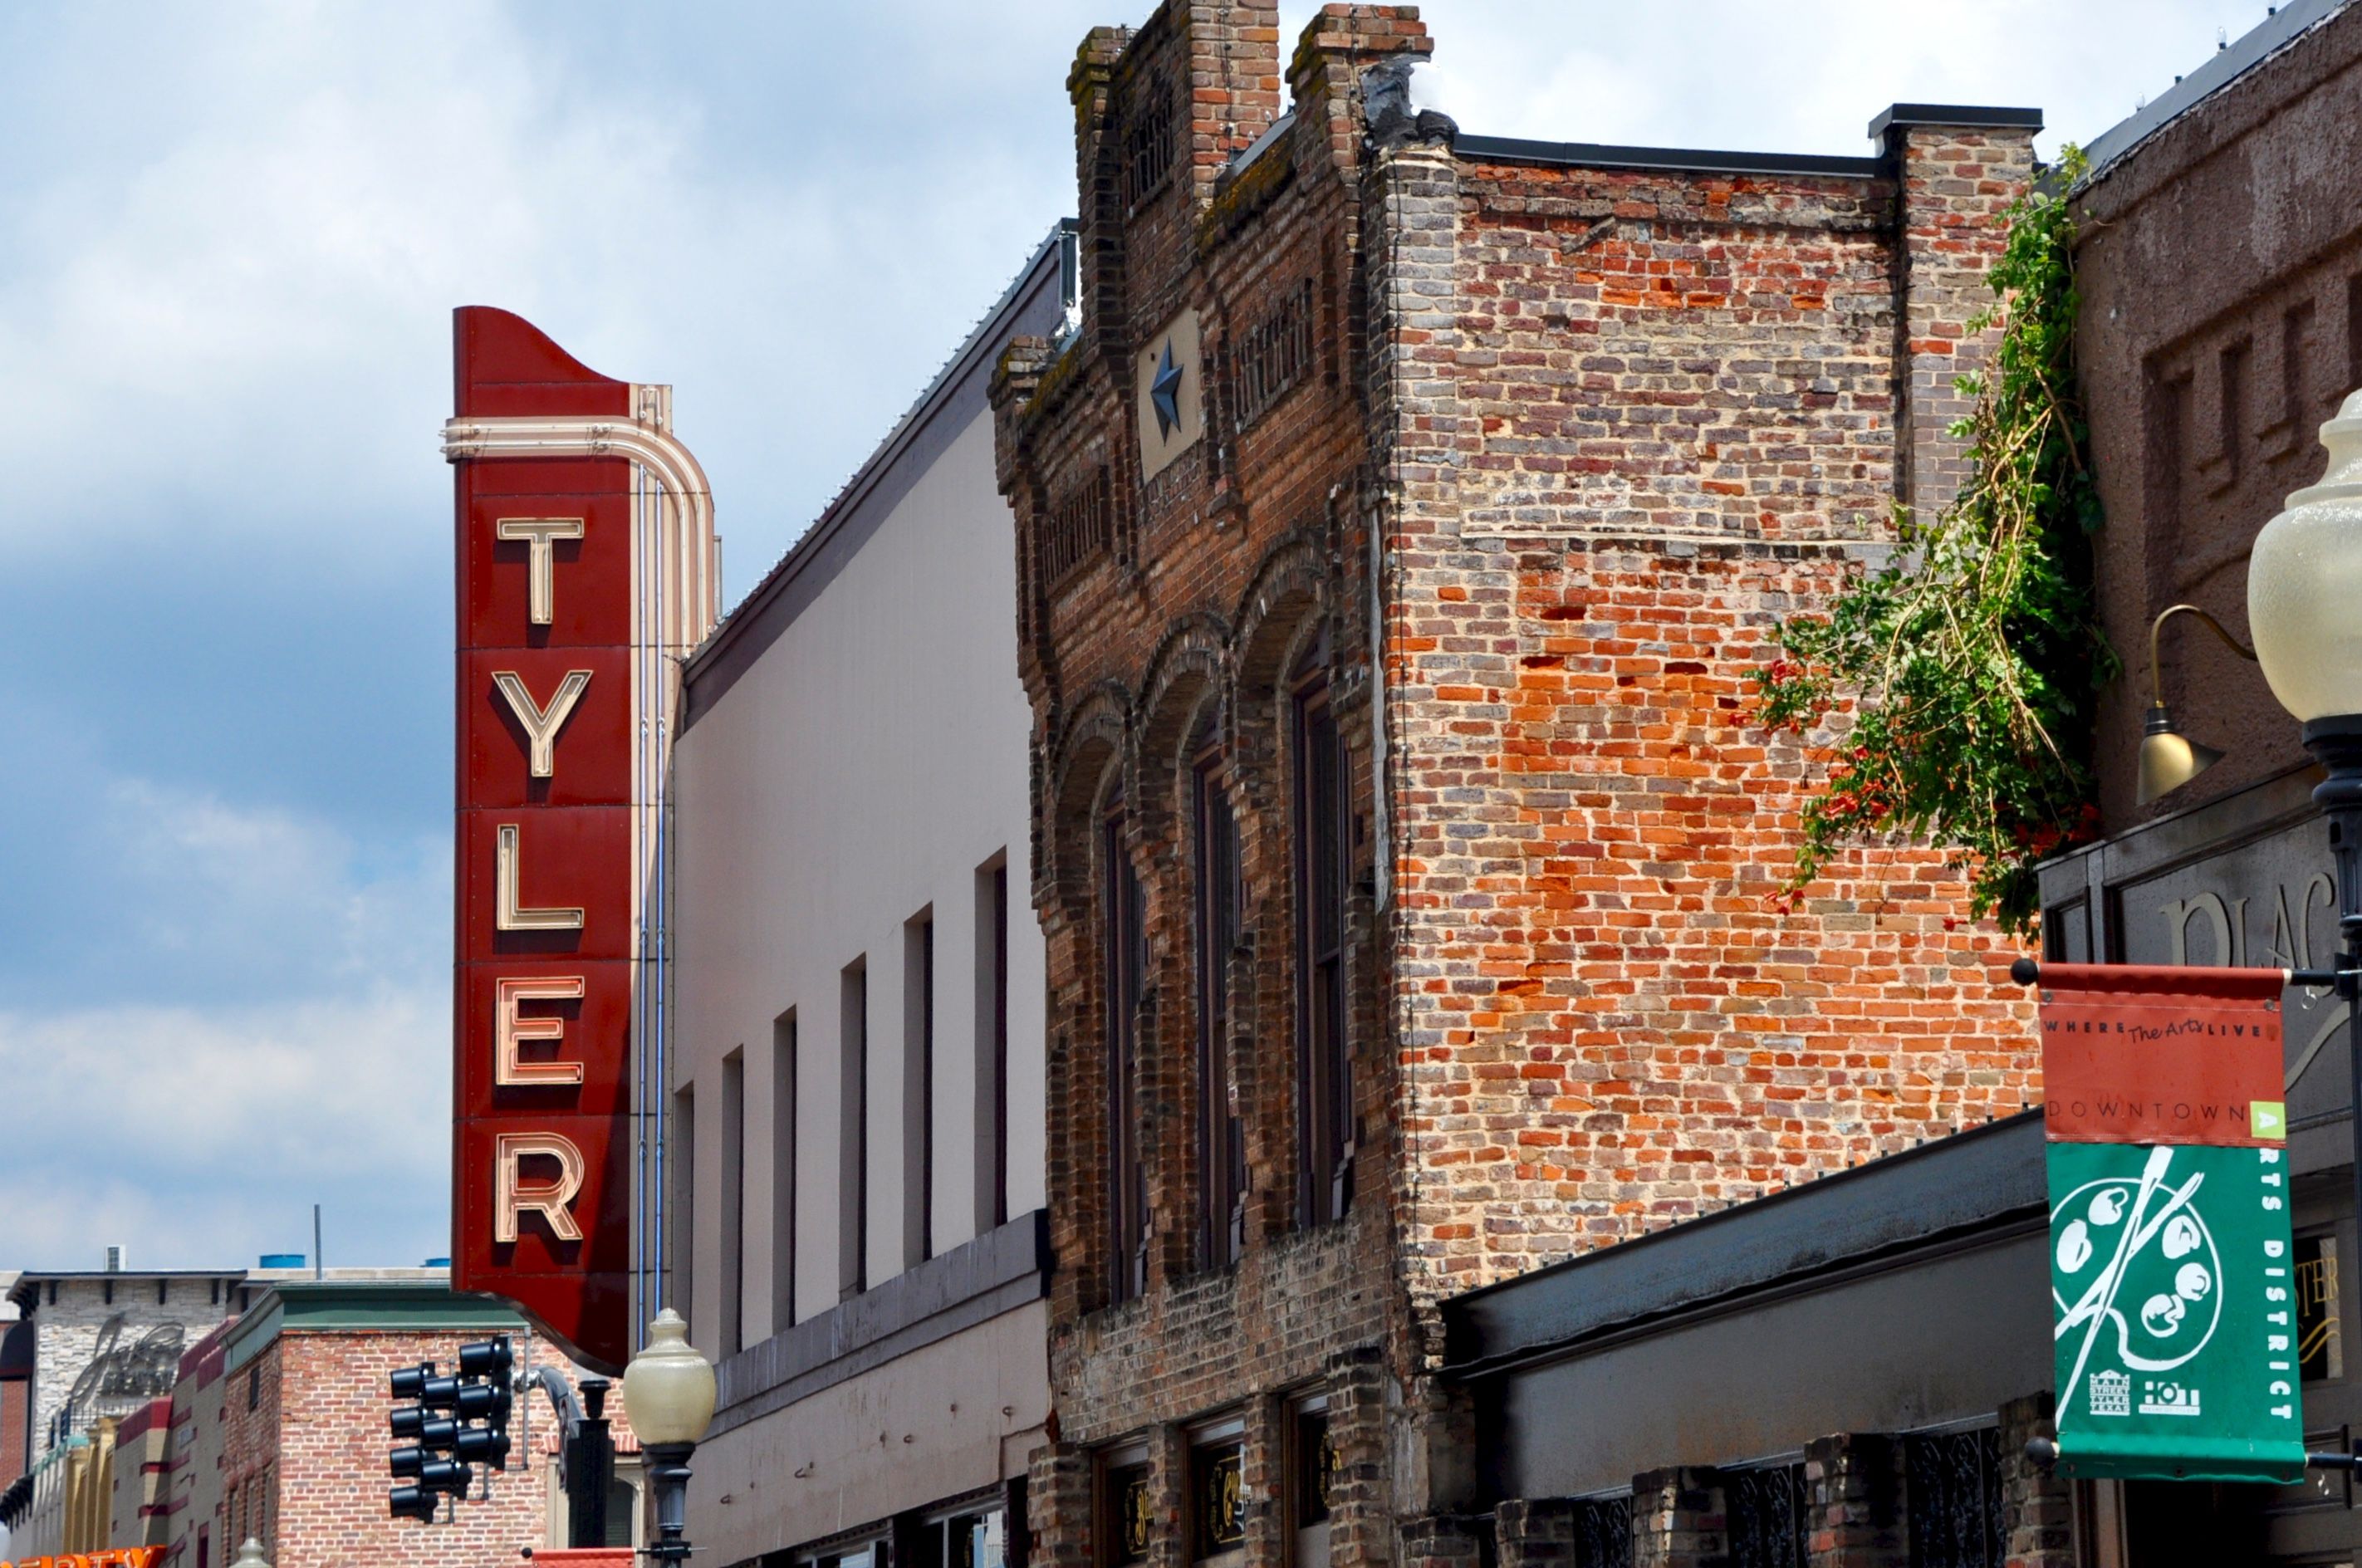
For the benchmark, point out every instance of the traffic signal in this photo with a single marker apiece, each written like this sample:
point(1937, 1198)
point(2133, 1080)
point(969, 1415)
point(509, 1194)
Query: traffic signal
point(487, 1372)
point(442, 1428)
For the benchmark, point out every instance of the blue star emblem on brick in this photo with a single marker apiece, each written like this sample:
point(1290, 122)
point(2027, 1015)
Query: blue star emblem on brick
point(1165, 391)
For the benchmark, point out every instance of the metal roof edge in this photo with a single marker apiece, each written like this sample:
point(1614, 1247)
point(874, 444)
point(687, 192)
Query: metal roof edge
point(2276, 32)
point(1962, 1184)
point(747, 619)
point(1966, 116)
point(1670, 159)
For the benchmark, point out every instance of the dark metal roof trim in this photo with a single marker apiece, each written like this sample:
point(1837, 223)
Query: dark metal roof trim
point(2234, 60)
point(1964, 114)
point(731, 650)
point(1976, 1181)
point(1673, 159)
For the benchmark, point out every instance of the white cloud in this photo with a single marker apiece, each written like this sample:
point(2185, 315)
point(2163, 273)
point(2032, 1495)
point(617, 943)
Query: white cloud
point(198, 1136)
point(264, 890)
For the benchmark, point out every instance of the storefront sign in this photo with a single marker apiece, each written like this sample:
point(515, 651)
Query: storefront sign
point(112, 1557)
point(2173, 1274)
point(586, 568)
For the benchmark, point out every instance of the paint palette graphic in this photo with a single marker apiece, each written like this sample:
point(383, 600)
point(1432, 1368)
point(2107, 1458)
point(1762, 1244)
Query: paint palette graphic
point(2134, 1261)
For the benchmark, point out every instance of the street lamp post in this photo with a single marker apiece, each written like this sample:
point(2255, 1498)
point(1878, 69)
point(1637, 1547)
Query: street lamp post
point(669, 1398)
point(2305, 611)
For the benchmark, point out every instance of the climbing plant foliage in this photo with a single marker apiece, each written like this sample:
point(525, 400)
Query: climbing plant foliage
point(1971, 662)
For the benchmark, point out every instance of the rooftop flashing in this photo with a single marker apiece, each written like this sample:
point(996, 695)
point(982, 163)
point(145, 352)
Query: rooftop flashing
point(24, 1292)
point(1986, 1178)
point(2278, 30)
point(770, 607)
point(1682, 160)
point(1984, 114)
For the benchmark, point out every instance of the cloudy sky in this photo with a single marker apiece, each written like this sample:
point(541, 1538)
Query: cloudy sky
point(230, 238)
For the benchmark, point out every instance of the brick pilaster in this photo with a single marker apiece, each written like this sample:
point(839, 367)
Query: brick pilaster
point(1058, 1506)
point(1678, 1520)
point(1359, 1516)
point(1535, 1532)
point(1857, 1519)
point(2039, 1506)
point(1442, 1541)
point(1954, 185)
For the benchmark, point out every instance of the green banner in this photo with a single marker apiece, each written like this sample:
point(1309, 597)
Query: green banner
point(2173, 1284)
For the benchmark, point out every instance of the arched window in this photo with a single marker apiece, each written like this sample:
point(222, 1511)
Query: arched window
point(1217, 900)
point(1323, 865)
point(1124, 914)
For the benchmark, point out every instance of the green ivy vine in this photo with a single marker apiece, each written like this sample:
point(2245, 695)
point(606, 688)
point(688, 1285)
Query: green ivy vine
point(1971, 661)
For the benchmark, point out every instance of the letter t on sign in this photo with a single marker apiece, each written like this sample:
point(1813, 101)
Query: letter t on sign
point(540, 534)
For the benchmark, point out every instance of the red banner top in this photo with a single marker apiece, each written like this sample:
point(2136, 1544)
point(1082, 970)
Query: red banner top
point(2139, 1054)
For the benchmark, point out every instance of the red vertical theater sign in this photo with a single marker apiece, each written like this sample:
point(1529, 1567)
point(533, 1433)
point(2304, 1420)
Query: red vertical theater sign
point(588, 568)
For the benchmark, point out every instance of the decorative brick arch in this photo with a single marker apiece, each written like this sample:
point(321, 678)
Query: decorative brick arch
point(1291, 586)
point(1193, 659)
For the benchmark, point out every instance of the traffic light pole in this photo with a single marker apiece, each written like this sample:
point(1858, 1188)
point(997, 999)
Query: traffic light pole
point(590, 1468)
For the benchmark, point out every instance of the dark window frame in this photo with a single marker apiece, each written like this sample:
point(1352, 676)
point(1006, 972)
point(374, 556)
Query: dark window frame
point(1000, 1173)
point(1123, 913)
point(1322, 866)
point(1217, 900)
point(853, 1130)
point(732, 1296)
point(918, 1088)
point(786, 1071)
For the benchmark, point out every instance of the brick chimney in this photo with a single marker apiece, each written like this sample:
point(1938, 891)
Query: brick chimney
point(1331, 70)
point(1956, 169)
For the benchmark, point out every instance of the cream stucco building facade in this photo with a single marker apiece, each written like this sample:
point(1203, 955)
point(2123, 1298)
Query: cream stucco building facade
point(856, 1127)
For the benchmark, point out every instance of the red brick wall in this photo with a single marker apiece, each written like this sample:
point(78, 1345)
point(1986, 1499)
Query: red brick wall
point(16, 1398)
point(304, 1470)
point(1654, 414)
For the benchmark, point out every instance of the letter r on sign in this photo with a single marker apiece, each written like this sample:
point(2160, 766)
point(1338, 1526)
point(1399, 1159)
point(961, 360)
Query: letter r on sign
point(513, 1195)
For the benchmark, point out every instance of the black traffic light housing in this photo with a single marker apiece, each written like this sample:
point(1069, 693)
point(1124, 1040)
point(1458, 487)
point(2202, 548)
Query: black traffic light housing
point(446, 1441)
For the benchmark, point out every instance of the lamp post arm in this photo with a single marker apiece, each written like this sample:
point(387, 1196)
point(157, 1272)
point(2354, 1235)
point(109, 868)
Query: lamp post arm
point(2156, 676)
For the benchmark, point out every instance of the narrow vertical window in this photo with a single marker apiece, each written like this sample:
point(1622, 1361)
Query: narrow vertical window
point(1324, 1078)
point(992, 1045)
point(853, 1131)
point(1312, 1464)
point(783, 1172)
point(679, 1188)
point(1221, 1154)
point(918, 1088)
point(731, 1287)
point(1127, 972)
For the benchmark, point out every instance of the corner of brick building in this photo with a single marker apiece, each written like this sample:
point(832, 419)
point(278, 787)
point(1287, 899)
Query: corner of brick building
point(304, 1461)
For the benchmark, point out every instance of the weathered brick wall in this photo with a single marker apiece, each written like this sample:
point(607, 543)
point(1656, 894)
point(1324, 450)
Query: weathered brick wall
point(1640, 418)
point(1604, 427)
point(1217, 577)
point(304, 1468)
point(1222, 577)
